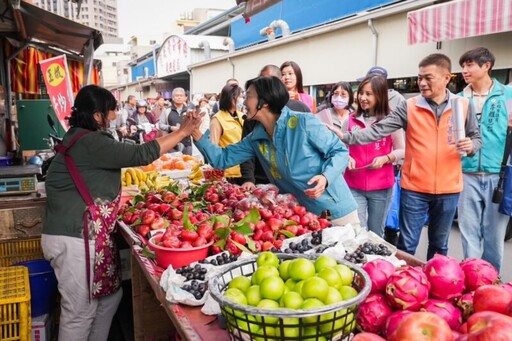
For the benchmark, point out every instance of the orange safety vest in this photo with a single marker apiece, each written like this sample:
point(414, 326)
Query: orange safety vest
point(431, 165)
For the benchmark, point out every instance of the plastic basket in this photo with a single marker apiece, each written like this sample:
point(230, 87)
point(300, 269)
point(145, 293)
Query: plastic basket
point(17, 250)
point(245, 322)
point(15, 320)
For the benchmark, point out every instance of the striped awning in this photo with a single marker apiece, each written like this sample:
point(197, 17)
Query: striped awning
point(459, 19)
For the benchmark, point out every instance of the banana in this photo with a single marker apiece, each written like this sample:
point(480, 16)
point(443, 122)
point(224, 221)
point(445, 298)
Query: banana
point(128, 179)
point(134, 176)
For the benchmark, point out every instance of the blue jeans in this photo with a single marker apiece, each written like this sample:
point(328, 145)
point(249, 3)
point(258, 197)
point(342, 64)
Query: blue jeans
point(413, 208)
point(482, 227)
point(372, 208)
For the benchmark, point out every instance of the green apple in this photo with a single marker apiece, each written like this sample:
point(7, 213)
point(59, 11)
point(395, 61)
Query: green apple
point(290, 283)
point(235, 295)
point(268, 259)
point(268, 304)
point(346, 274)
point(272, 288)
point(347, 292)
point(266, 333)
point(263, 272)
point(301, 268)
point(253, 295)
point(323, 262)
point(331, 276)
point(283, 269)
point(250, 325)
point(333, 296)
point(241, 282)
point(292, 300)
point(290, 328)
point(329, 323)
point(309, 304)
point(298, 287)
point(310, 334)
point(315, 287)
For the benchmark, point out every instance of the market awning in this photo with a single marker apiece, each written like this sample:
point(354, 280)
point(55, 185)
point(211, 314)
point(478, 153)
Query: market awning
point(459, 19)
point(253, 7)
point(25, 22)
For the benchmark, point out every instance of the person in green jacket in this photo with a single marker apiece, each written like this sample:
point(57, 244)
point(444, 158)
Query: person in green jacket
point(99, 159)
point(482, 227)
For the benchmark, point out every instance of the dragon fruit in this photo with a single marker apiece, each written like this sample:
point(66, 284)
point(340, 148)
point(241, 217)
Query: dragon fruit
point(445, 309)
point(373, 313)
point(465, 303)
point(379, 271)
point(394, 320)
point(407, 288)
point(478, 272)
point(445, 276)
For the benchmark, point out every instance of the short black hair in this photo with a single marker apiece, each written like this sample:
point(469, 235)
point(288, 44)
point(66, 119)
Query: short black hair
point(90, 100)
point(272, 69)
point(271, 91)
point(479, 55)
point(229, 93)
point(437, 59)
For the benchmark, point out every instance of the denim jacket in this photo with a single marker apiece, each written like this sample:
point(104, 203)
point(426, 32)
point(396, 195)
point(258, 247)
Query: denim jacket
point(301, 148)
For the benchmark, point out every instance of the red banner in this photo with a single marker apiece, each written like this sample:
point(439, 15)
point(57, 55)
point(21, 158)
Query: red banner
point(56, 77)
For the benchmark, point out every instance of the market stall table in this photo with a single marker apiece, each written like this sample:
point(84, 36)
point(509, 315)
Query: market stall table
point(151, 310)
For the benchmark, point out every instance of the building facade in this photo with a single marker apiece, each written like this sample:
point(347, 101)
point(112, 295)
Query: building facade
point(99, 14)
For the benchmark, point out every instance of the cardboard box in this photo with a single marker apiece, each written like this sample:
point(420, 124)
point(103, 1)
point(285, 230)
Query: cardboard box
point(42, 327)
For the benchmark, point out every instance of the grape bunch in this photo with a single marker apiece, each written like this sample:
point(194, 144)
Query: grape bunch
point(221, 259)
point(316, 238)
point(196, 288)
point(368, 248)
point(192, 273)
point(299, 247)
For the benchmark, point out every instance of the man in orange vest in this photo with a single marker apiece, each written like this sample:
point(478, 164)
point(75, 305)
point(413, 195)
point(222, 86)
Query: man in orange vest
point(431, 175)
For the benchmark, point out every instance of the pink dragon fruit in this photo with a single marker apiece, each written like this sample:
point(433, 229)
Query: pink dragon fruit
point(445, 276)
point(373, 313)
point(379, 271)
point(394, 320)
point(407, 288)
point(465, 303)
point(445, 309)
point(478, 272)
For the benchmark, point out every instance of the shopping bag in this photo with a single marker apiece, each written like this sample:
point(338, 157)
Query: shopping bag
point(505, 206)
point(394, 209)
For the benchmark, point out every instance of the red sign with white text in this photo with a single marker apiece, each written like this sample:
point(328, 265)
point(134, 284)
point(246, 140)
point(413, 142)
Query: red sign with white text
point(56, 77)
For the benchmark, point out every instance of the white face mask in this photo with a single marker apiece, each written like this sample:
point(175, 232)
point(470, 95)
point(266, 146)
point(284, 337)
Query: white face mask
point(339, 102)
point(211, 103)
point(239, 104)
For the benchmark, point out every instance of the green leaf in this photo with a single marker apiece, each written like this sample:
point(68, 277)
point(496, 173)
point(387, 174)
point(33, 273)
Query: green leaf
point(290, 223)
point(187, 225)
point(288, 234)
point(136, 222)
point(252, 217)
point(244, 229)
point(166, 223)
point(147, 252)
point(137, 198)
point(223, 232)
point(250, 244)
point(241, 247)
point(221, 243)
point(221, 219)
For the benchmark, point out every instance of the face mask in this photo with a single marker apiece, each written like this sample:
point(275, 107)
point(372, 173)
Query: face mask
point(211, 103)
point(339, 102)
point(239, 104)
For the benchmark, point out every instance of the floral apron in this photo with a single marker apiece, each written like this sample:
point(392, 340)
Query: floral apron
point(99, 225)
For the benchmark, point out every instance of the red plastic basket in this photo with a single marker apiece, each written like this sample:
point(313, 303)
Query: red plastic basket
point(166, 256)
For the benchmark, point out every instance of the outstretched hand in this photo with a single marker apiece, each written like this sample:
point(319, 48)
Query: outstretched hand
point(191, 122)
point(318, 189)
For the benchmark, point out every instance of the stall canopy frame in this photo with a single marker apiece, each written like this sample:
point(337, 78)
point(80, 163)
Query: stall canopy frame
point(24, 24)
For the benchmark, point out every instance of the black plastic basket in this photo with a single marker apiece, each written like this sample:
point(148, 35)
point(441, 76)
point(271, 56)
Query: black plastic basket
point(246, 322)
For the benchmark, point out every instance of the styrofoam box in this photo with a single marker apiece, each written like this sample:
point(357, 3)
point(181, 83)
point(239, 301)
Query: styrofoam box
point(42, 328)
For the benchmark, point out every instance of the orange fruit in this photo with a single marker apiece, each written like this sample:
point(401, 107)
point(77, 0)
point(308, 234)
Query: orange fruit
point(179, 165)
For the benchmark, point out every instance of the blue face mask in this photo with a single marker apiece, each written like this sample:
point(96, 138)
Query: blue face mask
point(240, 104)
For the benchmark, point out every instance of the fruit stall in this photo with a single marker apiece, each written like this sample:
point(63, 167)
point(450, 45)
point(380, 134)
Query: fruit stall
point(219, 261)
